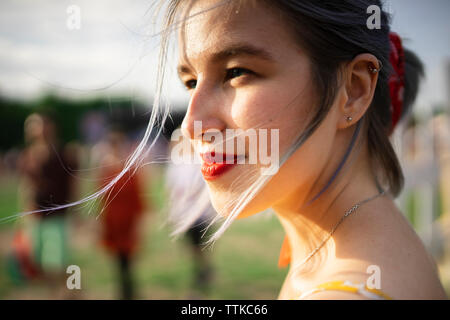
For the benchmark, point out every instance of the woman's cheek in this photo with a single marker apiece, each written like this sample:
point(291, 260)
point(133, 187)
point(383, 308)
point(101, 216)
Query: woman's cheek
point(255, 109)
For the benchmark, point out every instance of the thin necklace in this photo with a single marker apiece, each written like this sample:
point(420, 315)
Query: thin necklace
point(349, 212)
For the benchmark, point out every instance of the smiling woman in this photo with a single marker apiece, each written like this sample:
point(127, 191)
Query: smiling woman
point(334, 90)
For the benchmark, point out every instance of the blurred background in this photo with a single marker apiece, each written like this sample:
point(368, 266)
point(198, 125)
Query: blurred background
point(76, 88)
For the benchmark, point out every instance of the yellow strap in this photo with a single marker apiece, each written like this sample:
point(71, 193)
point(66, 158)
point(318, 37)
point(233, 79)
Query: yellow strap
point(337, 285)
point(348, 287)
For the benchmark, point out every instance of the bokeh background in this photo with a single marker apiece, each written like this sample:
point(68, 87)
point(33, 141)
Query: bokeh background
point(95, 77)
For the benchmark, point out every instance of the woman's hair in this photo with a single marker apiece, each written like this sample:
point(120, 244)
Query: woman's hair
point(332, 33)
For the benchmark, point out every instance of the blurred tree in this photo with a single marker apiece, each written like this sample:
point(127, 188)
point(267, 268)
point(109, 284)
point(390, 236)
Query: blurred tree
point(127, 113)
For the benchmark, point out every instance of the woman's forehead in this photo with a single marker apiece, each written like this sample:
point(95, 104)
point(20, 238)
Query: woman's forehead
point(220, 31)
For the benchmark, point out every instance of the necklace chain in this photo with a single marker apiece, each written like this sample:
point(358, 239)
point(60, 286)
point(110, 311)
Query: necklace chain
point(349, 212)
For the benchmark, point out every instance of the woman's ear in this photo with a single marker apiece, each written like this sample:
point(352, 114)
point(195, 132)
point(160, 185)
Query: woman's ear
point(359, 83)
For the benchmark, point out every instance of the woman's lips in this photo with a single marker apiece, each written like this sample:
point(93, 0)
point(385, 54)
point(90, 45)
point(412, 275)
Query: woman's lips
point(216, 164)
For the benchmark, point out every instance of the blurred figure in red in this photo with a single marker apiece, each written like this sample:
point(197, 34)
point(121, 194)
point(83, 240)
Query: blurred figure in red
point(121, 209)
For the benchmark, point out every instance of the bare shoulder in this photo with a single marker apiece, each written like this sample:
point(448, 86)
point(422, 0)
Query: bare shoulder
point(384, 251)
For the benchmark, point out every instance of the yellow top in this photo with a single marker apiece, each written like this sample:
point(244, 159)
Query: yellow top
point(347, 286)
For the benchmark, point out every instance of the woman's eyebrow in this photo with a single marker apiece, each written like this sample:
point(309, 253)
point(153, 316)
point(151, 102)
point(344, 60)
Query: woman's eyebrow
point(231, 52)
point(241, 49)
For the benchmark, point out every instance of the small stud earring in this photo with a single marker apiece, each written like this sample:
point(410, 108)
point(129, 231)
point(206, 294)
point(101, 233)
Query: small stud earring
point(349, 119)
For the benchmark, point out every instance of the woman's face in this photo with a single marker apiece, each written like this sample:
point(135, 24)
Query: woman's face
point(244, 70)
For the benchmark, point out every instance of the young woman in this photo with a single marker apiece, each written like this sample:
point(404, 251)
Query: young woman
point(331, 81)
point(334, 89)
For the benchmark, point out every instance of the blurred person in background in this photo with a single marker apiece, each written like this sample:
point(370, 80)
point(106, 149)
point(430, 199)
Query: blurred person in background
point(45, 166)
point(424, 154)
point(184, 184)
point(121, 209)
point(441, 131)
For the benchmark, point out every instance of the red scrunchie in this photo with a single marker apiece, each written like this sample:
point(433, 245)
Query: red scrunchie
point(397, 78)
point(396, 88)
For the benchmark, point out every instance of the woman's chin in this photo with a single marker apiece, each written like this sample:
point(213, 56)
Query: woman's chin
point(224, 208)
point(225, 193)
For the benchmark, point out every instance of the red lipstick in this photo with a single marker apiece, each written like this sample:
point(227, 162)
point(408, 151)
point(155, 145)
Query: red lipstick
point(215, 164)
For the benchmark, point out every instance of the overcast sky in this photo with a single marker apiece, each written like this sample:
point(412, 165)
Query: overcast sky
point(113, 49)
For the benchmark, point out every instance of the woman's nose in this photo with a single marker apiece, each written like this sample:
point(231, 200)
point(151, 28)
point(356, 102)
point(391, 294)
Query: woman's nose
point(204, 113)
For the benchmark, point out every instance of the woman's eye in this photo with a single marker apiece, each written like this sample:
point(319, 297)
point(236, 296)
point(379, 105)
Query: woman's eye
point(230, 74)
point(236, 72)
point(191, 84)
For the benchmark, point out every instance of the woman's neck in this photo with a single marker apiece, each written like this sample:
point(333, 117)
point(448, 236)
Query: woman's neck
point(308, 226)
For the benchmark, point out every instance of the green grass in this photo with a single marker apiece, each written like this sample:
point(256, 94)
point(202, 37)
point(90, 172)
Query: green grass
point(244, 259)
point(9, 203)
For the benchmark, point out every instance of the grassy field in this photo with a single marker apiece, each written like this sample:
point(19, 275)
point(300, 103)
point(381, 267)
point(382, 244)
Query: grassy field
point(244, 259)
